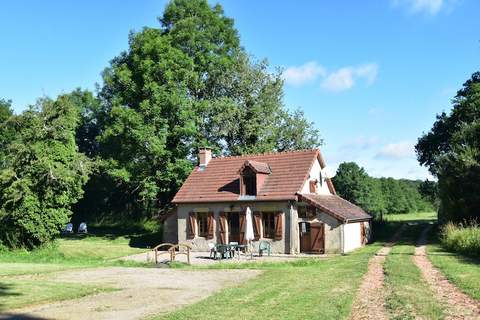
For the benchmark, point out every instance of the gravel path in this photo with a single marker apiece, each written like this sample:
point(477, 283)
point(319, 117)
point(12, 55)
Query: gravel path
point(369, 302)
point(457, 304)
point(142, 292)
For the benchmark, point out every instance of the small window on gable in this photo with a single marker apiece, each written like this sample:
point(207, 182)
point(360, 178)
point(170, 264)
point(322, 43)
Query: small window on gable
point(249, 180)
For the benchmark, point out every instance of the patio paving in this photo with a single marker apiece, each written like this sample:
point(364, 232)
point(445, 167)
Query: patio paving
point(203, 258)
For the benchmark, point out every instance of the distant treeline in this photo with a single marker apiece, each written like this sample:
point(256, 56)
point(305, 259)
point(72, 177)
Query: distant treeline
point(380, 196)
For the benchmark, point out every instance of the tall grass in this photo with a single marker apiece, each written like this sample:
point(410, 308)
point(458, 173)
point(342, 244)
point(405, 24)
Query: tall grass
point(462, 238)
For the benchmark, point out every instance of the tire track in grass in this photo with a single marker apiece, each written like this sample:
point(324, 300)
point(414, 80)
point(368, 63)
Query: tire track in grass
point(458, 305)
point(369, 302)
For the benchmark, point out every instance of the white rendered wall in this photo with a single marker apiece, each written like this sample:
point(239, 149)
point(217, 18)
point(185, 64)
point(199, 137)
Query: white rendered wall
point(352, 236)
point(322, 188)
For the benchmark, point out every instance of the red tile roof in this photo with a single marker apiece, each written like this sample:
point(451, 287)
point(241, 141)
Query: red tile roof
point(335, 206)
point(258, 167)
point(219, 180)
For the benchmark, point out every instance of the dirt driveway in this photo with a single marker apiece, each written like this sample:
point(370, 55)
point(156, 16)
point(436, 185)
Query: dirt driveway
point(142, 292)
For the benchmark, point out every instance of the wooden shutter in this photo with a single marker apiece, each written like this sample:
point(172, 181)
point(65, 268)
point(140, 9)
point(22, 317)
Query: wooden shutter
point(278, 226)
point(191, 225)
point(313, 186)
point(257, 222)
point(363, 233)
point(210, 225)
point(223, 227)
point(242, 228)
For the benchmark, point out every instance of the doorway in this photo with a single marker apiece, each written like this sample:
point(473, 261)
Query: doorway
point(312, 237)
point(233, 227)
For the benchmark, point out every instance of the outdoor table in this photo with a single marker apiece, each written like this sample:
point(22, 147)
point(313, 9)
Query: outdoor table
point(225, 250)
point(239, 248)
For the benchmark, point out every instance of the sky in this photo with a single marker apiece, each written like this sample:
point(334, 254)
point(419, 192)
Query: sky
point(371, 75)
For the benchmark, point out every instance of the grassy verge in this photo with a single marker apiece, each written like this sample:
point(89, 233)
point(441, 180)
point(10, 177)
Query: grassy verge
point(23, 274)
point(462, 271)
point(462, 238)
point(16, 294)
point(408, 296)
point(304, 289)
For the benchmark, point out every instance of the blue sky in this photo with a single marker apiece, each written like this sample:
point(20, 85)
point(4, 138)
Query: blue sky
point(371, 75)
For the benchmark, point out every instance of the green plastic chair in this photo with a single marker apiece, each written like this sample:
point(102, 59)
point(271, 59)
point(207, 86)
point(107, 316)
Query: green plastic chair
point(264, 246)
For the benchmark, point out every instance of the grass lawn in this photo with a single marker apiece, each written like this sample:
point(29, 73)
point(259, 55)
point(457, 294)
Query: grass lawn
point(463, 271)
point(408, 295)
point(415, 216)
point(305, 289)
point(23, 274)
point(19, 293)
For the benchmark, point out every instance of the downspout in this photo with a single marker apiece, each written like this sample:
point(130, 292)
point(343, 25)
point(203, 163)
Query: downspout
point(293, 234)
point(342, 238)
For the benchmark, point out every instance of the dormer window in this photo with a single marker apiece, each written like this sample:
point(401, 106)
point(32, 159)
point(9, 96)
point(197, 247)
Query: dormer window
point(252, 177)
point(250, 182)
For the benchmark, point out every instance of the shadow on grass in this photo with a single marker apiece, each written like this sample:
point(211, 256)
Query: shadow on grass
point(20, 316)
point(5, 291)
point(137, 238)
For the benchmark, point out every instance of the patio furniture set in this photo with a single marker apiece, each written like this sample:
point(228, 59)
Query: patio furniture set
point(228, 251)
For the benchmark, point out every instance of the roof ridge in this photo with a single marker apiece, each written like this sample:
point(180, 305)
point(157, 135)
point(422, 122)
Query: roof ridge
point(267, 153)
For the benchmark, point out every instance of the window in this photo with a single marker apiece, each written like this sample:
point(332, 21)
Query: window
point(302, 211)
point(202, 222)
point(249, 180)
point(268, 222)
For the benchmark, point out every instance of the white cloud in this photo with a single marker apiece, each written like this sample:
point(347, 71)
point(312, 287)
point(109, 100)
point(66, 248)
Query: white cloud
point(308, 72)
point(360, 143)
point(395, 151)
point(346, 77)
point(430, 7)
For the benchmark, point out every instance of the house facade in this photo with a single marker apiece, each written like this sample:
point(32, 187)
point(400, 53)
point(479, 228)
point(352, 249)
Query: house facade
point(294, 205)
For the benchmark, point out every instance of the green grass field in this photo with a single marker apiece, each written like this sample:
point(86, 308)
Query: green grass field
point(463, 271)
point(305, 289)
point(24, 274)
point(408, 295)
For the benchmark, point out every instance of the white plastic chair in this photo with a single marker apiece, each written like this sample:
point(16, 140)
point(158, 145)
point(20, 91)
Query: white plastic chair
point(82, 228)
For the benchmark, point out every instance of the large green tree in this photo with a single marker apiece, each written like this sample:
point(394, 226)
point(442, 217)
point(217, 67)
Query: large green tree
point(451, 152)
point(181, 86)
point(7, 132)
point(43, 174)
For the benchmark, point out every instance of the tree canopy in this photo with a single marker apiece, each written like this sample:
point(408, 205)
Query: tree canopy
point(43, 174)
point(451, 151)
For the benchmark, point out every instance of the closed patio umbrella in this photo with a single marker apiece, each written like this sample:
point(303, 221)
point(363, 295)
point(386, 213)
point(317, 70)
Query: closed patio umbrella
point(249, 236)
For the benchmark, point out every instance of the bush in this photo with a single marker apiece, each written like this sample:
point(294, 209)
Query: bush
point(461, 238)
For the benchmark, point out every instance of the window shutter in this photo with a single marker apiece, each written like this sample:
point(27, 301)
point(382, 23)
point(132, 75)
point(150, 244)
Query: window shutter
point(191, 226)
point(313, 186)
point(223, 227)
point(210, 225)
point(242, 228)
point(257, 222)
point(278, 226)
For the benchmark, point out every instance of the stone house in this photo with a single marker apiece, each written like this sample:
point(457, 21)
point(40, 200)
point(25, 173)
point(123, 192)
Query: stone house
point(294, 204)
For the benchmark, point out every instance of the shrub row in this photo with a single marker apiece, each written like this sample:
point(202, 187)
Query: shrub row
point(462, 238)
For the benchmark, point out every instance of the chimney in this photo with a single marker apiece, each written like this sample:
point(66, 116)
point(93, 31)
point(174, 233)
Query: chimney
point(204, 155)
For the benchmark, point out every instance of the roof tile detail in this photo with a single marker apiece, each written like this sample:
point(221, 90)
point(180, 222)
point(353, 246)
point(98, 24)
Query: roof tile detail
point(219, 180)
point(258, 167)
point(339, 208)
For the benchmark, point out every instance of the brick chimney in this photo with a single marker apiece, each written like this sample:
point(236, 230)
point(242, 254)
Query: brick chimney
point(204, 155)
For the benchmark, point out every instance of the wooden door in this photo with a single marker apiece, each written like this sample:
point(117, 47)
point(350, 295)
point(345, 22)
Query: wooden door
point(305, 242)
point(317, 235)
